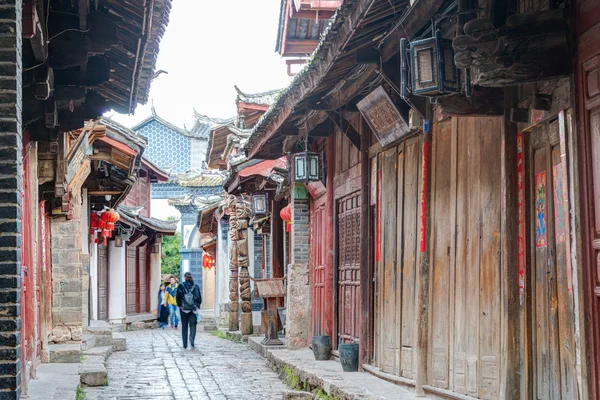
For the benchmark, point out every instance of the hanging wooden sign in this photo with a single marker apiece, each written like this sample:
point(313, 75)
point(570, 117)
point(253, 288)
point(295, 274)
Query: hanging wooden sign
point(77, 157)
point(383, 117)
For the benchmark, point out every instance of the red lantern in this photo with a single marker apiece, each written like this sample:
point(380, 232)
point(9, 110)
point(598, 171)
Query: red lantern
point(286, 215)
point(105, 234)
point(110, 217)
point(206, 260)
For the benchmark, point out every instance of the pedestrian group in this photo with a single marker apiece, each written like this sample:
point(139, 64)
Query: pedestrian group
point(177, 300)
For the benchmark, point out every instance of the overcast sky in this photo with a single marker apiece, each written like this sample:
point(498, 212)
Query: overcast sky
point(208, 47)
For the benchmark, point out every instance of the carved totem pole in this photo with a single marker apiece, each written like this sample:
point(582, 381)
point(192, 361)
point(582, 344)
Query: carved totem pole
point(243, 211)
point(233, 265)
point(239, 210)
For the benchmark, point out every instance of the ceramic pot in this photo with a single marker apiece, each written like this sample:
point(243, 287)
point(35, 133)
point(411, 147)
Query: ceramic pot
point(321, 347)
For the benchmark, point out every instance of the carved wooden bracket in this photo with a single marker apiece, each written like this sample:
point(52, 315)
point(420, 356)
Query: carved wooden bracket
point(528, 48)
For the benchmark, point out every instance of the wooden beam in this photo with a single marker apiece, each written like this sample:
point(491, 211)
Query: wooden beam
point(366, 280)
point(422, 281)
point(510, 360)
point(346, 128)
point(324, 129)
point(104, 192)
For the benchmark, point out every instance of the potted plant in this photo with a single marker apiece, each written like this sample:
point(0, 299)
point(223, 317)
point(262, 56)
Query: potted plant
point(321, 345)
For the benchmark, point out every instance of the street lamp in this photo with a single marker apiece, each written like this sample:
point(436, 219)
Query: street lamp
point(306, 167)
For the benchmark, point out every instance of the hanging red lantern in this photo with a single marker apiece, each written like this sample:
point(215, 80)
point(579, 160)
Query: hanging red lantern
point(207, 260)
point(94, 220)
point(286, 215)
point(105, 234)
point(110, 217)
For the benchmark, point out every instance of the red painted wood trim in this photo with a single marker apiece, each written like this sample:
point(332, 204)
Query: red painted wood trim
point(424, 182)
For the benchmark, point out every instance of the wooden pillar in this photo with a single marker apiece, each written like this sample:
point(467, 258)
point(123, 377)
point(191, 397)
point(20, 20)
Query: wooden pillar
point(510, 366)
point(422, 279)
point(366, 275)
point(329, 262)
point(242, 211)
point(234, 324)
point(277, 244)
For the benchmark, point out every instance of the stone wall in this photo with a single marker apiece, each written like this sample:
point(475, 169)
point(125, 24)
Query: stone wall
point(298, 288)
point(67, 279)
point(10, 198)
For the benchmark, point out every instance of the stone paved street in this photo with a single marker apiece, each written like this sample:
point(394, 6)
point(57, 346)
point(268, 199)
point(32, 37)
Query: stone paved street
point(155, 366)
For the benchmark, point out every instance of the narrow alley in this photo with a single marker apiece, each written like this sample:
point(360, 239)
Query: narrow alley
point(155, 366)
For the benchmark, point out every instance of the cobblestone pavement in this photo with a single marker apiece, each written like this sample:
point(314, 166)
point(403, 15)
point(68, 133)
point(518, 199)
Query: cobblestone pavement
point(155, 366)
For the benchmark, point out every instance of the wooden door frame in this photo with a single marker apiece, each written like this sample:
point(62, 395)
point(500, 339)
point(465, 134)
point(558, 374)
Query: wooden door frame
point(313, 206)
point(107, 281)
point(588, 32)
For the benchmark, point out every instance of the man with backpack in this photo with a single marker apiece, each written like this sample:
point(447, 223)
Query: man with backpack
point(189, 300)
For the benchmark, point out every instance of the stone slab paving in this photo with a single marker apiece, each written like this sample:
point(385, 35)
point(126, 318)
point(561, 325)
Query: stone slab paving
point(330, 376)
point(155, 366)
point(54, 382)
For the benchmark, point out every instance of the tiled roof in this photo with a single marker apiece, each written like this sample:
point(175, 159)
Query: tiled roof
point(155, 117)
point(204, 124)
point(263, 99)
point(159, 225)
point(131, 216)
point(198, 180)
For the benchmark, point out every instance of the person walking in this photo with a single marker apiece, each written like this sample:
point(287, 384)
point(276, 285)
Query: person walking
point(189, 299)
point(162, 314)
point(172, 302)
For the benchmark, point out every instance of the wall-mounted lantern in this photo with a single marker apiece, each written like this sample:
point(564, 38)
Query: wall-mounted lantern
point(259, 204)
point(306, 167)
point(119, 241)
point(432, 67)
point(155, 248)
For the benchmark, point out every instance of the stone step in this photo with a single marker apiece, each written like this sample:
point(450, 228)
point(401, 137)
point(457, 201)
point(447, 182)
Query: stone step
point(210, 328)
point(65, 353)
point(118, 328)
point(86, 359)
point(104, 340)
point(119, 342)
point(88, 341)
point(93, 374)
point(104, 351)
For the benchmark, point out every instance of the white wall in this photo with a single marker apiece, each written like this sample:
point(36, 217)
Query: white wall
point(222, 278)
point(155, 262)
point(198, 153)
point(116, 281)
point(94, 280)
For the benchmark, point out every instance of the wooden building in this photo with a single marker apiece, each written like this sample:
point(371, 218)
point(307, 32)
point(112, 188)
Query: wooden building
point(60, 71)
point(587, 23)
point(446, 241)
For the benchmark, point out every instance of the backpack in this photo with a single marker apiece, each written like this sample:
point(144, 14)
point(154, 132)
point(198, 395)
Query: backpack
point(188, 303)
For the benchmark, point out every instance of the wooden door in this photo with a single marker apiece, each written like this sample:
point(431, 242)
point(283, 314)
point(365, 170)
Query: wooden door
point(465, 254)
point(102, 282)
point(131, 281)
point(588, 96)
point(318, 257)
point(143, 279)
point(348, 227)
point(552, 314)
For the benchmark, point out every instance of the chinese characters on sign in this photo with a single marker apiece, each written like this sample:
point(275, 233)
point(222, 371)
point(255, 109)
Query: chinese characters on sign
point(383, 117)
